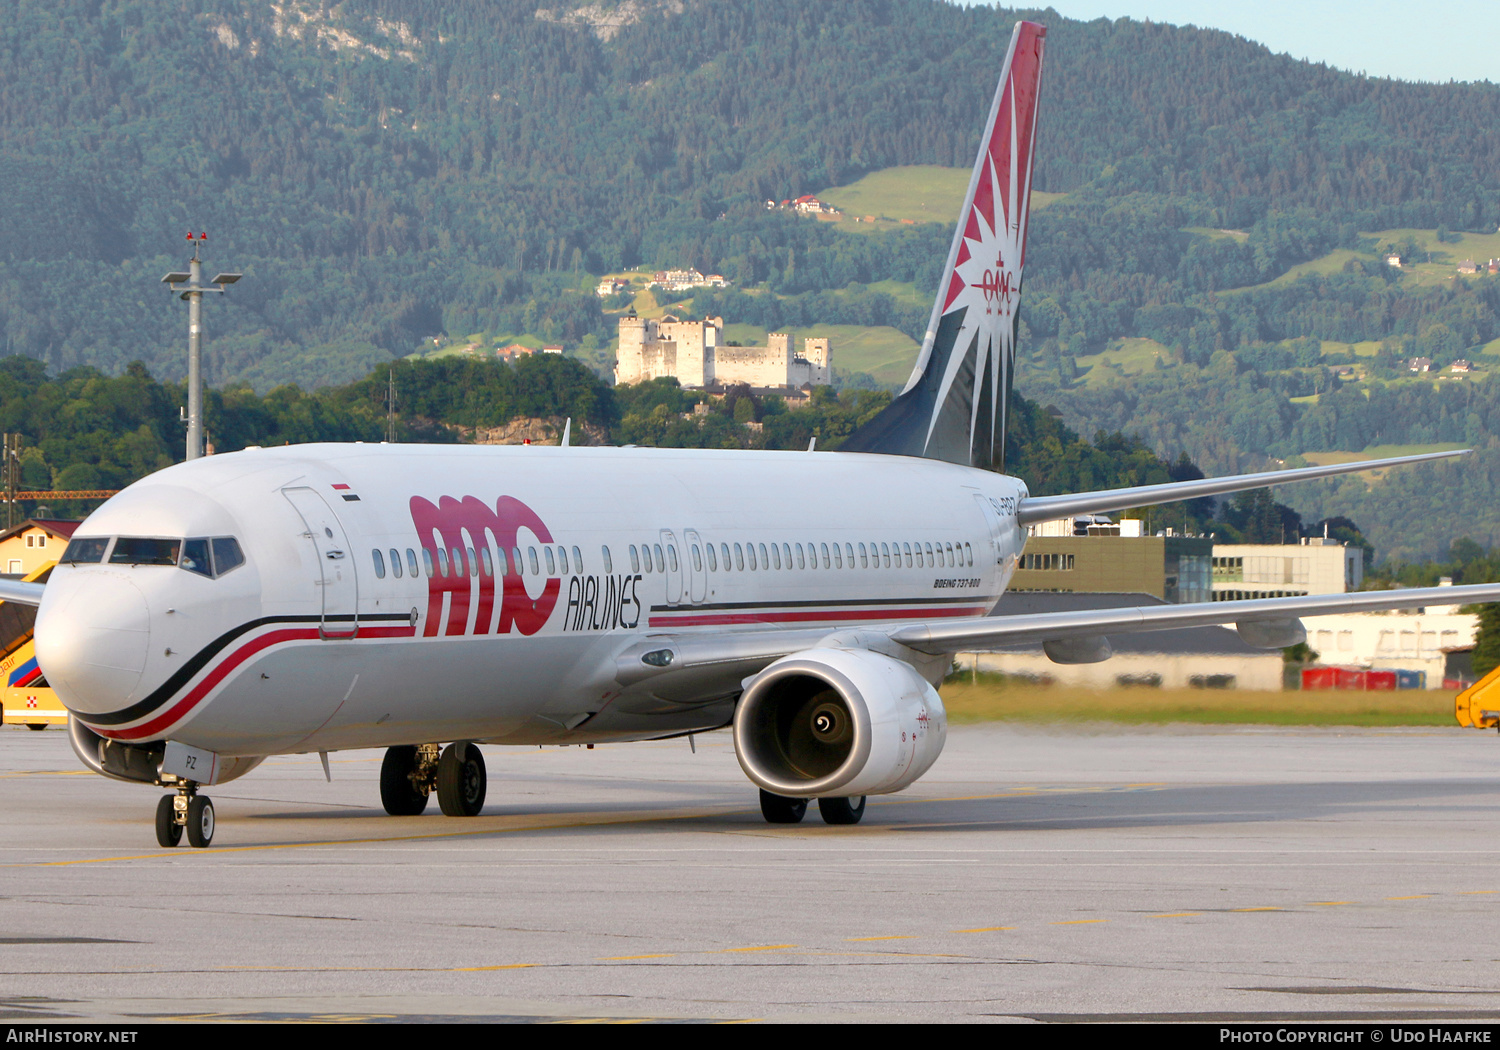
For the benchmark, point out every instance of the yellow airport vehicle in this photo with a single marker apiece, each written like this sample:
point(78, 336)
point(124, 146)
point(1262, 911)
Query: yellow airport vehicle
point(25, 697)
point(1478, 707)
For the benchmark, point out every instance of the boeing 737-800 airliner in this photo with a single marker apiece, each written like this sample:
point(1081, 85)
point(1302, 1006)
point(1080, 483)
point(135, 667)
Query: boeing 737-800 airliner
point(323, 597)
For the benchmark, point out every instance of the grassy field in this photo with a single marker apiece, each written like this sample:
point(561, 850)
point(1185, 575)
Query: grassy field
point(1367, 348)
point(1122, 357)
point(995, 698)
point(1378, 452)
point(1442, 266)
point(915, 193)
point(1218, 235)
point(885, 353)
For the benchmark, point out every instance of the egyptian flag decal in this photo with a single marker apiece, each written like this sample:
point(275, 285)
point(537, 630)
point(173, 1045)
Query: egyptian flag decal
point(344, 491)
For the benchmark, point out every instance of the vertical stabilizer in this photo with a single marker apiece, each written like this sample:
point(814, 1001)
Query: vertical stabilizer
point(953, 407)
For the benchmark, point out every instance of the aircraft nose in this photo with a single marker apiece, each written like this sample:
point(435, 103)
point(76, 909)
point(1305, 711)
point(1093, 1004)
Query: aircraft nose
point(92, 644)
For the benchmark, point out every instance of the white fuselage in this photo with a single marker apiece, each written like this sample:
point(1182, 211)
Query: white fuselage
point(318, 642)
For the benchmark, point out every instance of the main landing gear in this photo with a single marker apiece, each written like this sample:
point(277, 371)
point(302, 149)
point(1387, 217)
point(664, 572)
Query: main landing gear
point(779, 809)
point(185, 810)
point(410, 774)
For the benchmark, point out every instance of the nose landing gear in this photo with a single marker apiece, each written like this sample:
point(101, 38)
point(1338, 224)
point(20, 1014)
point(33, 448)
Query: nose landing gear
point(185, 810)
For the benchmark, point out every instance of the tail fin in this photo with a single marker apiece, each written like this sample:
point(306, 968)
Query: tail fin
point(953, 407)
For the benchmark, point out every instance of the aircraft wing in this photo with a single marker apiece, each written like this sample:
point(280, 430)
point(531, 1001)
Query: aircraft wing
point(1275, 618)
point(1050, 508)
point(20, 592)
point(692, 667)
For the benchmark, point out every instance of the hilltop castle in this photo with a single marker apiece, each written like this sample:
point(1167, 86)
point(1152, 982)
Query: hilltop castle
point(694, 352)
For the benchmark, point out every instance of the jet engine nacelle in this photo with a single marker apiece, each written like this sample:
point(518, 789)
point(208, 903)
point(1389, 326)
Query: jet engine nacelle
point(838, 722)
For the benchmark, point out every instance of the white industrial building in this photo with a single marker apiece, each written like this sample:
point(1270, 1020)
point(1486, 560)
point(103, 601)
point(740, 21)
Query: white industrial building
point(1406, 640)
point(1275, 570)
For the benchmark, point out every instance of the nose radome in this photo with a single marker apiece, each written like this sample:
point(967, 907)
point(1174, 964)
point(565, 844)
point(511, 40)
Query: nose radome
point(92, 644)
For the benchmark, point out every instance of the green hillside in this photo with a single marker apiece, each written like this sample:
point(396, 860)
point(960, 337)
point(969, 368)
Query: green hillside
point(911, 193)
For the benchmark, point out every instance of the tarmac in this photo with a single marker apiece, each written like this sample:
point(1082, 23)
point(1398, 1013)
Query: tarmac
point(1035, 874)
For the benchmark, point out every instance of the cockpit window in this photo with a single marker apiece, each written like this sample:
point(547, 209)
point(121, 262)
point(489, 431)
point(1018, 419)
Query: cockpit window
point(227, 554)
point(195, 557)
point(201, 555)
point(88, 551)
point(135, 550)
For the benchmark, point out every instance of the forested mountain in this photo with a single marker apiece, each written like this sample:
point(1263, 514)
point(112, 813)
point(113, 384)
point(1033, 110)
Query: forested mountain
point(386, 171)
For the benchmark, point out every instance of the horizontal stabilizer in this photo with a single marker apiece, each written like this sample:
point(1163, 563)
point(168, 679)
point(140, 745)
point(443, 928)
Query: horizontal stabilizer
point(1050, 508)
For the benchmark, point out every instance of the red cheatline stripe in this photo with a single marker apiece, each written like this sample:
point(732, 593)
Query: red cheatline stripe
point(196, 695)
point(708, 619)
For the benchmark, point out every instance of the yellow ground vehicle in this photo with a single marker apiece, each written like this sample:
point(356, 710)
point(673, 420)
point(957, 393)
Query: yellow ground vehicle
point(24, 694)
point(1478, 707)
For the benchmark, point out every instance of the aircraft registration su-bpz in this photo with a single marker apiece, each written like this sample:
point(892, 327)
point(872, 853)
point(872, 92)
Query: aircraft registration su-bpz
point(321, 597)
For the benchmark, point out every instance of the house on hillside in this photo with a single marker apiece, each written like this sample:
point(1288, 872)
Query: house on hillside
point(1419, 364)
point(1468, 266)
point(1393, 259)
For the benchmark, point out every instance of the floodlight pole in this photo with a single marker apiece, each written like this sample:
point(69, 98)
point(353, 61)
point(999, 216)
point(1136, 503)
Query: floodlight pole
point(193, 293)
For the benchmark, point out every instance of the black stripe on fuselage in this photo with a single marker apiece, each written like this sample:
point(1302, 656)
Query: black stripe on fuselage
point(184, 674)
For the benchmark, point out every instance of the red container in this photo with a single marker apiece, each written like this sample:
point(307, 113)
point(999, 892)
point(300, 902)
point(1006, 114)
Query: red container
point(1319, 677)
point(1352, 678)
point(1380, 681)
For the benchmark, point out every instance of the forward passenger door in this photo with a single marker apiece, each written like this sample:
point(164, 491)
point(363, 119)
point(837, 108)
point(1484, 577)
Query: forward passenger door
point(337, 585)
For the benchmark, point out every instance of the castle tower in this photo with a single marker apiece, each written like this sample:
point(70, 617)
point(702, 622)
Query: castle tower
point(630, 361)
point(819, 354)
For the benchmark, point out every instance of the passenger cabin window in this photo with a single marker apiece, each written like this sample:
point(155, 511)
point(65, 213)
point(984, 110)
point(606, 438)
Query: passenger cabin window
point(411, 563)
point(562, 560)
point(697, 559)
point(609, 563)
point(635, 562)
point(578, 560)
point(485, 560)
point(661, 562)
point(551, 564)
point(713, 563)
point(395, 563)
point(536, 567)
point(427, 560)
point(739, 558)
point(442, 561)
point(515, 561)
point(750, 556)
point(375, 554)
point(86, 551)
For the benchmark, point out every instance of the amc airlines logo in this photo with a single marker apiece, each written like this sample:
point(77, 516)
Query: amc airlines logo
point(458, 527)
point(996, 286)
